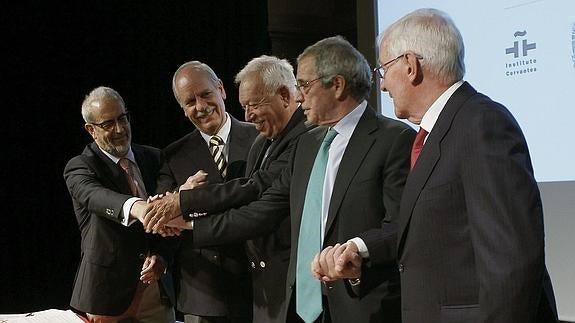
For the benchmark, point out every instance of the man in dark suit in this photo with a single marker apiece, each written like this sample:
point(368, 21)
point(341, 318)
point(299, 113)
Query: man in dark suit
point(471, 246)
point(214, 283)
point(366, 170)
point(118, 260)
point(267, 93)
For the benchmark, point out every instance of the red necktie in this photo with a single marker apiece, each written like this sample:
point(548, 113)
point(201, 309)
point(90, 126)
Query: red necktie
point(417, 146)
point(125, 164)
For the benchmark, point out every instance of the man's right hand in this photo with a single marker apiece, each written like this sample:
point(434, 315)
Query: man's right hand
point(197, 180)
point(161, 211)
point(139, 210)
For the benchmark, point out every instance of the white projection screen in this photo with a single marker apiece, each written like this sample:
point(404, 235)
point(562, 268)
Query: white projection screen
point(521, 53)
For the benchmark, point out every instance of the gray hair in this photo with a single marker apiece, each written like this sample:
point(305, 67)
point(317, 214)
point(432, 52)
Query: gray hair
point(432, 34)
point(98, 94)
point(197, 65)
point(336, 56)
point(275, 73)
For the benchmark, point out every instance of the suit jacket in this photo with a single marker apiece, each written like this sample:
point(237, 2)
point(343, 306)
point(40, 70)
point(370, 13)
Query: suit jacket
point(212, 281)
point(268, 255)
point(471, 243)
point(112, 254)
point(366, 196)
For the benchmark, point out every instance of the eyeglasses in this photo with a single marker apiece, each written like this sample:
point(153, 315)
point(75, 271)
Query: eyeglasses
point(381, 69)
point(107, 125)
point(254, 106)
point(303, 86)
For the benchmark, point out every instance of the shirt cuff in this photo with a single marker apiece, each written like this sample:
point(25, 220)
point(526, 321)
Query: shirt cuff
point(126, 220)
point(361, 247)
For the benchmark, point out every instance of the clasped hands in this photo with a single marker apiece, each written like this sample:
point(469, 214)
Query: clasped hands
point(341, 261)
point(162, 214)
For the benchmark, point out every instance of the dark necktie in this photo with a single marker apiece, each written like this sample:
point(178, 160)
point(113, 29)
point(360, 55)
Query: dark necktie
point(125, 163)
point(308, 288)
point(218, 155)
point(417, 146)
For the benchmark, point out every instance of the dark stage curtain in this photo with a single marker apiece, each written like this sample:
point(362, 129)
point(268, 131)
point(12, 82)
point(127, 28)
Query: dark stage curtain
point(59, 50)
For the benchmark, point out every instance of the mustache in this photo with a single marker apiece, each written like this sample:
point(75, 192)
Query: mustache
point(205, 112)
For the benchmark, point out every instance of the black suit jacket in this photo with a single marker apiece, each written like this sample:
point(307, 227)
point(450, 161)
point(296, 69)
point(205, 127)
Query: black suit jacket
point(212, 281)
point(112, 254)
point(268, 255)
point(366, 196)
point(471, 243)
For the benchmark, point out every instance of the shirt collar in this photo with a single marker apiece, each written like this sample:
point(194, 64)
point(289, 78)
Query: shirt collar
point(346, 125)
point(430, 117)
point(223, 133)
point(129, 155)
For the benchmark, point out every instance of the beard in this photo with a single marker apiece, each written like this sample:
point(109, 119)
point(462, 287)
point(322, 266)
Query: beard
point(119, 149)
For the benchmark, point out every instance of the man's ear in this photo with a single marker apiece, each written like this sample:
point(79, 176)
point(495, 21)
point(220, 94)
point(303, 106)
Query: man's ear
point(221, 88)
point(90, 129)
point(414, 71)
point(285, 96)
point(339, 83)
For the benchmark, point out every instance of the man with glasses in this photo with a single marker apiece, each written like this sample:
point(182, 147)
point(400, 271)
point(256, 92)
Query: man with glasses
point(471, 239)
point(359, 191)
point(109, 183)
point(214, 283)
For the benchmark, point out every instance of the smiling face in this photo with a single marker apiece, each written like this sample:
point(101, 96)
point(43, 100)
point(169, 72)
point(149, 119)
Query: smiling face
point(269, 113)
point(201, 99)
point(115, 140)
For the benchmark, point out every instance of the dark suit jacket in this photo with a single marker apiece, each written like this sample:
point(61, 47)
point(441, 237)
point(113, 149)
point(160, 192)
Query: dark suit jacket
point(213, 281)
point(268, 255)
point(366, 195)
point(112, 254)
point(471, 243)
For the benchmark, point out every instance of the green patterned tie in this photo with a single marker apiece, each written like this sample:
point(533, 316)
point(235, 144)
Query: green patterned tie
point(308, 288)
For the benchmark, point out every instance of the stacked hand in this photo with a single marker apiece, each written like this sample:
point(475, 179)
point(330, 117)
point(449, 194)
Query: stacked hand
point(164, 215)
point(341, 261)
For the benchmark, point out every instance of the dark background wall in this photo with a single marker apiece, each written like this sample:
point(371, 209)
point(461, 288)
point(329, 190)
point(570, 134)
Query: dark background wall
point(55, 52)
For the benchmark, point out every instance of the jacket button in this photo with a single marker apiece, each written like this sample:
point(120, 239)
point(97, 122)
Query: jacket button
point(401, 268)
point(142, 256)
point(262, 264)
point(253, 264)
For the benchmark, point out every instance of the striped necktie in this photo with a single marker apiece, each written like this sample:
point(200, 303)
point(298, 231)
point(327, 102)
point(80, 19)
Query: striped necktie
point(218, 155)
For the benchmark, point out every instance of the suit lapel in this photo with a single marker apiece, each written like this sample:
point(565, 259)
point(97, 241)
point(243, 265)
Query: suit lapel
point(308, 146)
point(239, 142)
point(257, 152)
point(199, 157)
point(358, 147)
point(143, 163)
point(111, 171)
point(428, 158)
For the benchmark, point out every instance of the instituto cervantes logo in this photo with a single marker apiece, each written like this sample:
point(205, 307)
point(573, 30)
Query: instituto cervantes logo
point(521, 58)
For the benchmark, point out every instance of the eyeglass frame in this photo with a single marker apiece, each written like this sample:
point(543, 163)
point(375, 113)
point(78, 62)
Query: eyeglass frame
point(108, 125)
point(382, 69)
point(254, 106)
point(306, 85)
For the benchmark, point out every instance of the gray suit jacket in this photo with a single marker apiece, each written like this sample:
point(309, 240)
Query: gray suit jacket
point(212, 281)
point(365, 197)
